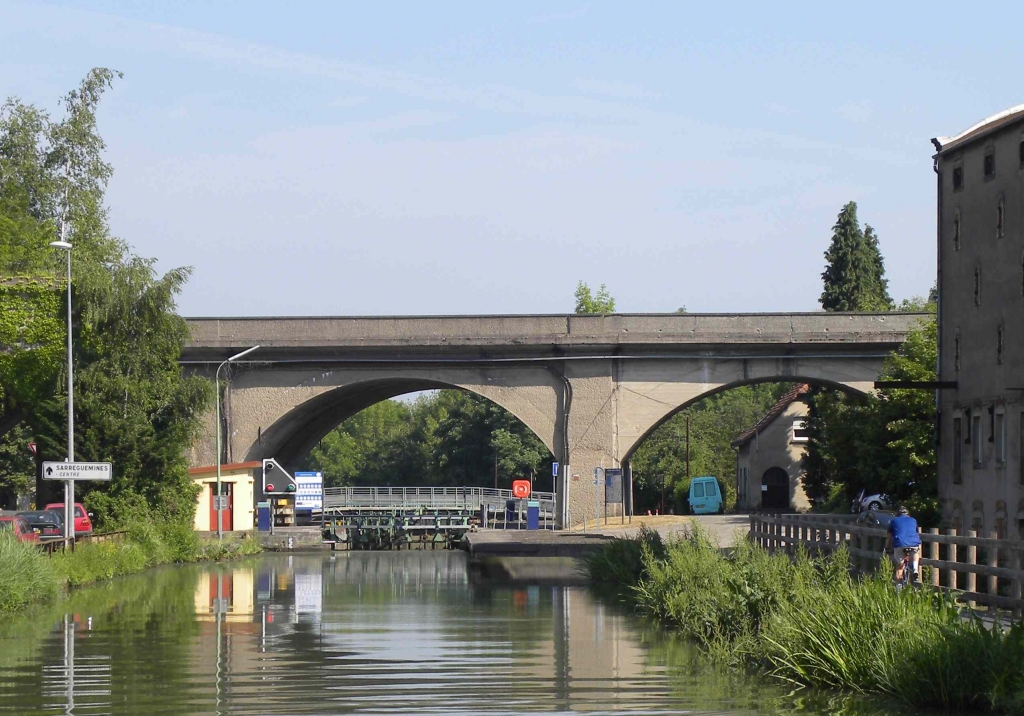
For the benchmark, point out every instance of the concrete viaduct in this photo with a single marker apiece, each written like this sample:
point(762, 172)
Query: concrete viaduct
point(590, 387)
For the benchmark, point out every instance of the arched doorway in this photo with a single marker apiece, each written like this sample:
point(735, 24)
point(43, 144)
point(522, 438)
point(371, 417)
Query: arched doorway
point(775, 489)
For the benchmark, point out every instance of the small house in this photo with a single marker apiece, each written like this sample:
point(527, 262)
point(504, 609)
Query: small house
point(236, 491)
point(768, 457)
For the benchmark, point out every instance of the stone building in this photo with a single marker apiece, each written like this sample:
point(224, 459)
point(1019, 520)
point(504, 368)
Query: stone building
point(980, 175)
point(768, 455)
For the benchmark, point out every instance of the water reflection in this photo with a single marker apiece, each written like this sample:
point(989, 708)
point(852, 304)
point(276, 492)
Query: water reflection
point(406, 632)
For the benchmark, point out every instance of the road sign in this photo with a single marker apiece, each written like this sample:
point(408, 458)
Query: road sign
point(76, 471)
point(554, 469)
point(32, 448)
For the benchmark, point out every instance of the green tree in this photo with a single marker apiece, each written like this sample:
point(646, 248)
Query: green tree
point(446, 438)
point(132, 405)
point(854, 276)
point(588, 303)
point(883, 442)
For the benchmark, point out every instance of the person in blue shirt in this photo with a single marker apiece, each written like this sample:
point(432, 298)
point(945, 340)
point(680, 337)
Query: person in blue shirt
point(903, 534)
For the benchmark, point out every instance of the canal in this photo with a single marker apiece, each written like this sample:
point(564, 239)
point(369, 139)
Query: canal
point(362, 632)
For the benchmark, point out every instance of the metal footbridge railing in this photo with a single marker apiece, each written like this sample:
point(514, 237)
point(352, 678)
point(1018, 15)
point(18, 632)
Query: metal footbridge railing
point(467, 499)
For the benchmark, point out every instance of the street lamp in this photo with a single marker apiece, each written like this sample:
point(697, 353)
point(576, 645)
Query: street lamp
point(216, 497)
point(69, 485)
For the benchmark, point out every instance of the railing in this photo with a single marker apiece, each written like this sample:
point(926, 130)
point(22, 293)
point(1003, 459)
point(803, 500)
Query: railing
point(956, 560)
point(447, 498)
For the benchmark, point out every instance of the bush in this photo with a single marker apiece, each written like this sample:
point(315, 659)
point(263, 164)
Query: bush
point(27, 575)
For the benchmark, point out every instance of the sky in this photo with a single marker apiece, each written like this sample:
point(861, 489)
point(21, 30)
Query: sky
point(386, 158)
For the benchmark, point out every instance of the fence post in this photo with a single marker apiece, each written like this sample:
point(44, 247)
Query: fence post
point(972, 558)
point(951, 557)
point(993, 561)
point(933, 553)
point(1015, 584)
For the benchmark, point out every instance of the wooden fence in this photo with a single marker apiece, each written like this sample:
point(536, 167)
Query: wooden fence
point(983, 570)
point(59, 544)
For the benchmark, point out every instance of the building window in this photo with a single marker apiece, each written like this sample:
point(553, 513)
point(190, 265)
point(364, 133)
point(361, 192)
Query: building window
point(958, 178)
point(990, 164)
point(958, 452)
point(1000, 435)
point(956, 231)
point(977, 285)
point(800, 434)
point(999, 345)
point(1000, 217)
point(956, 350)
point(979, 444)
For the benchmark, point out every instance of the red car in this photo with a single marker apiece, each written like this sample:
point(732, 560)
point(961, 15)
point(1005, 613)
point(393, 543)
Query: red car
point(22, 531)
point(82, 524)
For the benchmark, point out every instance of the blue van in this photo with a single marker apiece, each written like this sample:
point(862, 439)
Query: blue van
point(706, 496)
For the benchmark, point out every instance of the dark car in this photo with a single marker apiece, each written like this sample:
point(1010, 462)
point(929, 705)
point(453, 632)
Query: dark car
point(19, 525)
point(875, 518)
point(48, 524)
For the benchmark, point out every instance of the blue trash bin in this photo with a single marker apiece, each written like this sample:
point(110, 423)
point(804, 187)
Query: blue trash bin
point(263, 516)
point(533, 515)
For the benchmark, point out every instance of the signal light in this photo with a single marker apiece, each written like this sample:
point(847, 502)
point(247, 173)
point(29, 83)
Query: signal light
point(270, 487)
point(290, 487)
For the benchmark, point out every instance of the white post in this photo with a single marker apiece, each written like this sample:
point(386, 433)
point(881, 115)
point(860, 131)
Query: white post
point(217, 497)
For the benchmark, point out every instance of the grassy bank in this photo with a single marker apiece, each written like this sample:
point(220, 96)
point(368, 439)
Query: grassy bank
point(809, 623)
point(29, 576)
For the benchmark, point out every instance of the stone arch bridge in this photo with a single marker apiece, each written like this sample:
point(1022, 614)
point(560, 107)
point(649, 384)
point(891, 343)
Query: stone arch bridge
point(590, 387)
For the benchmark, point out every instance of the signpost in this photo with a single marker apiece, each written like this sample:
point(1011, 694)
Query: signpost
point(76, 471)
point(309, 493)
point(69, 473)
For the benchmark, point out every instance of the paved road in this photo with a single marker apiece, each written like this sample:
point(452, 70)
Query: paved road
point(723, 528)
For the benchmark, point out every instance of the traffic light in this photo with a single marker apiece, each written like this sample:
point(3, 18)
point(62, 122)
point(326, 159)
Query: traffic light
point(276, 480)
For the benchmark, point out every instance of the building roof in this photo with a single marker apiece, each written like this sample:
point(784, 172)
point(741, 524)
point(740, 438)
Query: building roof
point(233, 466)
point(981, 129)
point(775, 411)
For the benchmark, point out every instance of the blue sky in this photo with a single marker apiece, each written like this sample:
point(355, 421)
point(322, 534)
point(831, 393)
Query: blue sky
point(314, 158)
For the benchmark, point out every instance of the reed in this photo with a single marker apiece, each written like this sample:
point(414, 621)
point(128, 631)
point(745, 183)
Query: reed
point(808, 622)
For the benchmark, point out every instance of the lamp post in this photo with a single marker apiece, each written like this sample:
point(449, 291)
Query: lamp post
point(217, 495)
point(69, 485)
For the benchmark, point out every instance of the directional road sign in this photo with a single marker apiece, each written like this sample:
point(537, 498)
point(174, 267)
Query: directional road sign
point(554, 469)
point(76, 471)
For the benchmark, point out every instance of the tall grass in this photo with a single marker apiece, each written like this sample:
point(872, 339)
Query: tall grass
point(27, 575)
point(809, 623)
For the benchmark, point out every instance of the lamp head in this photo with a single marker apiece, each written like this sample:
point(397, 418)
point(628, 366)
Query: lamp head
point(61, 245)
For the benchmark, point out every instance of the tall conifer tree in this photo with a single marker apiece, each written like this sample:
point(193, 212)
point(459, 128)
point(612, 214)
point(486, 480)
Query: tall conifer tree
point(855, 275)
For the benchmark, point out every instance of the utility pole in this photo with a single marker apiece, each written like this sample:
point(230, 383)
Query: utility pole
point(687, 447)
point(495, 469)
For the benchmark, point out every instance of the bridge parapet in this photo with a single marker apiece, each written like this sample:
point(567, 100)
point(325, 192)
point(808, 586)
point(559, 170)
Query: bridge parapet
point(222, 335)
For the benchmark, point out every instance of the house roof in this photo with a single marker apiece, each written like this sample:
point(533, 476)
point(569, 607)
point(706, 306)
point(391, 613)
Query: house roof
point(233, 466)
point(982, 128)
point(774, 412)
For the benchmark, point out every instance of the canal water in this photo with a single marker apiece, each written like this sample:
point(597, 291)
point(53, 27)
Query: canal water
point(361, 632)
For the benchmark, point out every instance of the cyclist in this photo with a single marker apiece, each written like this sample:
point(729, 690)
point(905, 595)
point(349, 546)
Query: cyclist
point(903, 535)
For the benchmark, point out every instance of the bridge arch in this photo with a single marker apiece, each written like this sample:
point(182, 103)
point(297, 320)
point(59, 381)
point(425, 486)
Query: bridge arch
point(284, 412)
point(855, 389)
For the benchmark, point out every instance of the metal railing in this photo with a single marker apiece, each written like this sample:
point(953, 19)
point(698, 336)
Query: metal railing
point(444, 498)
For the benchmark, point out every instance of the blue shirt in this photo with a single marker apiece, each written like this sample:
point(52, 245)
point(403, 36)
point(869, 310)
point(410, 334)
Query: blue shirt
point(904, 532)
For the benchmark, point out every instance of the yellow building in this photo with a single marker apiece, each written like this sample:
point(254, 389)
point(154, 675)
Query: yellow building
point(237, 482)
